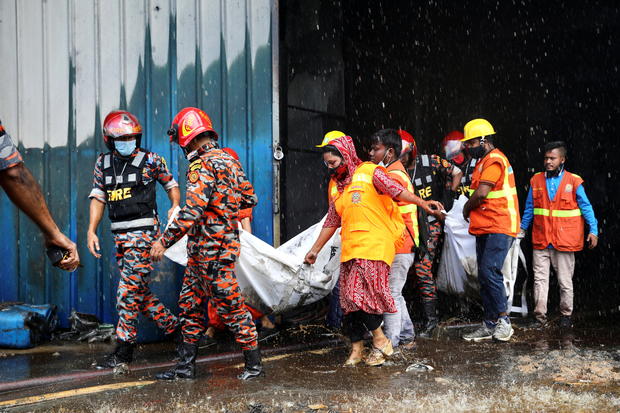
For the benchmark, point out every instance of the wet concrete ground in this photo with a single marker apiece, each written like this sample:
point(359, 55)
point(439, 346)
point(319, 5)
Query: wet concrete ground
point(537, 371)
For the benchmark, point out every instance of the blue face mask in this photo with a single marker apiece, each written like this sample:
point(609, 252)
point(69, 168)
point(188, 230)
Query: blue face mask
point(125, 148)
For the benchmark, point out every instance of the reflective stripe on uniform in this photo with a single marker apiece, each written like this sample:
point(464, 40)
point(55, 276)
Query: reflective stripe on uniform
point(134, 223)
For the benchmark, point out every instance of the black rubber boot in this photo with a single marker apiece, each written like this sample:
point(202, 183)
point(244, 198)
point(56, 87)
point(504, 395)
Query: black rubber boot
point(176, 336)
point(185, 367)
point(253, 367)
point(122, 354)
point(430, 314)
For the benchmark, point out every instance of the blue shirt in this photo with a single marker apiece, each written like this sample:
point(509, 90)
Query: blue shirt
point(552, 187)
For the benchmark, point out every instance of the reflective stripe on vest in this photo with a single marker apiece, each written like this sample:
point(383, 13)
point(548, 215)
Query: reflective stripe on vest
point(570, 213)
point(361, 178)
point(498, 212)
point(498, 194)
point(502, 193)
point(411, 209)
point(372, 227)
point(407, 209)
point(425, 161)
point(507, 192)
point(138, 159)
point(558, 222)
point(106, 161)
point(134, 223)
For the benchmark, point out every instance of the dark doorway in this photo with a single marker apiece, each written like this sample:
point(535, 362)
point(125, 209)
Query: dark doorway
point(539, 71)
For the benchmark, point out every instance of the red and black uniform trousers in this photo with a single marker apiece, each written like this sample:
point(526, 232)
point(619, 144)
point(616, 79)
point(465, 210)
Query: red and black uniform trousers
point(134, 295)
point(213, 279)
point(424, 262)
point(429, 182)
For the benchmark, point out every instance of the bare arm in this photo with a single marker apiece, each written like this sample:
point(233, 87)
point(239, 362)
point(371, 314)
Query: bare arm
point(25, 193)
point(174, 195)
point(324, 236)
point(457, 174)
point(96, 213)
point(431, 207)
point(476, 199)
point(246, 225)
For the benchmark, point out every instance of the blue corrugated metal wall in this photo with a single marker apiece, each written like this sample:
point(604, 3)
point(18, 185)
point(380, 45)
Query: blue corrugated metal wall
point(67, 63)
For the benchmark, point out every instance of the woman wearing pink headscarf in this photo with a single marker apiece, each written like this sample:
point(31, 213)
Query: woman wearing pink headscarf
point(361, 202)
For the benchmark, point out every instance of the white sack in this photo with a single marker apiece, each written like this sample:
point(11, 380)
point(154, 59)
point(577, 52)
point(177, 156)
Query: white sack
point(276, 279)
point(458, 268)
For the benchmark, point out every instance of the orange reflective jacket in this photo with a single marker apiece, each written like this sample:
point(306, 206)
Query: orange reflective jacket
point(558, 222)
point(372, 227)
point(499, 211)
point(408, 211)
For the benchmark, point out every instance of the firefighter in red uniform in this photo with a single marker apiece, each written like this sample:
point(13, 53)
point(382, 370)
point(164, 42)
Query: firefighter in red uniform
point(124, 180)
point(217, 189)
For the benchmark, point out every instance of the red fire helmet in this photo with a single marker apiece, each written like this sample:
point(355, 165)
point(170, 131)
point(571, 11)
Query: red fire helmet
point(120, 123)
point(455, 135)
point(189, 123)
point(453, 147)
point(408, 138)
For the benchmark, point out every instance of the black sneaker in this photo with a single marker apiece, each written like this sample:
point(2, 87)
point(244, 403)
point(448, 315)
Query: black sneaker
point(537, 324)
point(565, 321)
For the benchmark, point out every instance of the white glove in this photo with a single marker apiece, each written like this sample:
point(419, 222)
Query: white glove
point(521, 234)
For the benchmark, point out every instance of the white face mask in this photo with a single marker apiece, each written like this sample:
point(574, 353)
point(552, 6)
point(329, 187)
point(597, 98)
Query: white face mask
point(382, 163)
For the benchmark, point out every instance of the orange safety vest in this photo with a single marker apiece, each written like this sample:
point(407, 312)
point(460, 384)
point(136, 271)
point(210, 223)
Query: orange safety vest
point(499, 211)
point(408, 211)
point(372, 227)
point(558, 222)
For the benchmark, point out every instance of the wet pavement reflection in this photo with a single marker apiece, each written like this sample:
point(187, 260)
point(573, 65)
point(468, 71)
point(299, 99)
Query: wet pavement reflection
point(538, 370)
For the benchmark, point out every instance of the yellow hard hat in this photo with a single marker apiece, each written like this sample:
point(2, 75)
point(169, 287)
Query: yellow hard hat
point(330, 136)
point(477, 128)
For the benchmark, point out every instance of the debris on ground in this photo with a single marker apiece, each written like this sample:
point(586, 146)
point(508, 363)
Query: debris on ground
point(88, 328)
point(572, 366)
point(419, 367)
point(317, 406)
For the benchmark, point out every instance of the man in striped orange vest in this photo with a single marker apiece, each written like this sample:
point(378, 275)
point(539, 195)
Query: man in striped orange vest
point(557, 204)
point(493, 213)
point(386, 148)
